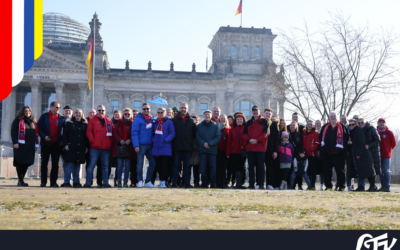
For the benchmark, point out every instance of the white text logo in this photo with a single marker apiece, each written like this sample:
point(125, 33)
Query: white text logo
point(375, 241)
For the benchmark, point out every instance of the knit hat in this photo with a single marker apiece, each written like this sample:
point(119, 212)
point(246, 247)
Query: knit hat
point(382, 120)
point(302, 151)
point(67, 107)
point(175, 109)
point(285, 134)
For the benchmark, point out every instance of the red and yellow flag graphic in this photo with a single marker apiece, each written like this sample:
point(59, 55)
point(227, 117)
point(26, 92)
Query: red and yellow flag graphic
point(239, 10)
point(89, 63)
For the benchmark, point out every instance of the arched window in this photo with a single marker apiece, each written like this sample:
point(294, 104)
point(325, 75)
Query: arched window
point(245, 51)
point(244, 107)
point(257, 52)
point(233, 51)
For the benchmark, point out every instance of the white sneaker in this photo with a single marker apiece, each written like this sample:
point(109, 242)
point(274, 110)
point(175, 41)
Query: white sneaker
point(269, 187)
point(140, 185)
point(276, 188)
point(148, 185)
point(322, 186)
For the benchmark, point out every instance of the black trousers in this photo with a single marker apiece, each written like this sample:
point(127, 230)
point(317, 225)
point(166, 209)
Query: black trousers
point(55, 151)
point(230, 173)
point(196, 174)
point(133, 172)
point(222, 161)
point(284, 172)
point(21, 172)
point(239, 166)
point(162, 163)
point(272, 170)
point(256, 167)
point(170, 169)
point(336, 161)
point(312, 169)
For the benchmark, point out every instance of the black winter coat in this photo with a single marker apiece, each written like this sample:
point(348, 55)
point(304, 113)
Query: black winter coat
point(185, 132)
point(331, 138)
point(364, 165)
point(296, 138)
point(25, 154)
point(373, 142)
point(75, 137)
point(274, 138)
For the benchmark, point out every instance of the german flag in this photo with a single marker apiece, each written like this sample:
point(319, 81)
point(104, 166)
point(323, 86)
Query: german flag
point(239, 10)
point(89, 61)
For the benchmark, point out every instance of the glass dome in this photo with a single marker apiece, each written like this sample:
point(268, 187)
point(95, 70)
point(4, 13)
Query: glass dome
point(61, 28)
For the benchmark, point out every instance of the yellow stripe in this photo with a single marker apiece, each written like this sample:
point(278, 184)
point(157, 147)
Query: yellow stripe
point(237, 12)
point(89, 59)
point(38, 28)
point(90, 77)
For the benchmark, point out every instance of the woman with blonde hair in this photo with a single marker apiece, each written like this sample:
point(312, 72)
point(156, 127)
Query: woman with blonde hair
point(222, 160)
point(24, 135)
point(170, 113)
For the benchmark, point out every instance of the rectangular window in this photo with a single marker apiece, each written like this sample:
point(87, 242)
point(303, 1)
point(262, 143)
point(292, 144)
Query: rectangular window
point(48, 96)
point(137, 105)
point(114, 105)
point(203, 108)
point(179, 105)
point(23, 98)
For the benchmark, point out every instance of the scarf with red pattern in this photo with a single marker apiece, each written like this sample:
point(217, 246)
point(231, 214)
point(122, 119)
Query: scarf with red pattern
point(109, 124)
point(147, 119)
point(339, 137)
point(21, 133)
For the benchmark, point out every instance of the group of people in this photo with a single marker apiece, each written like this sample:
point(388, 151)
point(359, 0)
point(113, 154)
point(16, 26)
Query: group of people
point(175, 143)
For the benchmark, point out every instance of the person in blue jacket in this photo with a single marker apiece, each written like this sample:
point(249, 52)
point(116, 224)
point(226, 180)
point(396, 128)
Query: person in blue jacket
point(142, 140)
point(164, 133)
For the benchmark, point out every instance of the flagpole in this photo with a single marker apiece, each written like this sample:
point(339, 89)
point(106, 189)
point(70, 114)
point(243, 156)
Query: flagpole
point(94, 57)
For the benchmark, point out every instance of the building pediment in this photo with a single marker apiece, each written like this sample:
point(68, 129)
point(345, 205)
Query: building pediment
point(53, 60)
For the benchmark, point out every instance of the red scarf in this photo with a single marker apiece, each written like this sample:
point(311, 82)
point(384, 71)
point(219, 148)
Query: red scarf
point(184, 118)
point(160, 126)
point(21, 133)
point(108, 124)
point(147, 118)
point(339, 137)
point(380, 131)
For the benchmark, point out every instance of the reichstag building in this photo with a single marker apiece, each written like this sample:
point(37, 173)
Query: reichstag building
point(242, 74)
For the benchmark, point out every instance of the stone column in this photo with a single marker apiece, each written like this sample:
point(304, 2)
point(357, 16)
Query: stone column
point(193, 104)
point(229, 102)
point(127, 101)
point(59, 92)
point(281, 109)
point(35, 98)
point(83, 87)
point(8, 115)
point(266, 98)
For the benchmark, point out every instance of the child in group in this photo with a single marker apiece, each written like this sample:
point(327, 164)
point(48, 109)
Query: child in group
point(300, 165)
point(285, 151)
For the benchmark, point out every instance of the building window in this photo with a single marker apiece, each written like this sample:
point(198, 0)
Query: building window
point(245, 51)
point(1, 116)
point(179, 105)
point(23, 98)
point(137, 105)
point(160, 105)
point(257, 52)
point(233, 51)
point(48, 96)
point(203, 108)
point(114, 105)
point(244, 107)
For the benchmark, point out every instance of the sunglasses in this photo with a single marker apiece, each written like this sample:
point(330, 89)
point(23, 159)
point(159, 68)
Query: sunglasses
point(58, 107)
point(101, 110)
point(361, 122)
point(351, 125)
point(146, 109)
point(160, 112)
point(127, 114)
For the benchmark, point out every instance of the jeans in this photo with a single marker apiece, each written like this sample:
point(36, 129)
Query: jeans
point(305, 176)
point(185, 157)
point(145, 150)
point(55, 151)
point(95, 155)
point(256, 160)
point(121, 164)
point(385, 176)
point(72, 168)
point(211, 161)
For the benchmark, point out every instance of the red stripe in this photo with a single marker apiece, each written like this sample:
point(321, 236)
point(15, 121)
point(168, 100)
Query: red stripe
point(6, 44)
point(240, 7)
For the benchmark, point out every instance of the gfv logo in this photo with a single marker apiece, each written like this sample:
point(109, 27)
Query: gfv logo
point(381, 241)
point(22, 40)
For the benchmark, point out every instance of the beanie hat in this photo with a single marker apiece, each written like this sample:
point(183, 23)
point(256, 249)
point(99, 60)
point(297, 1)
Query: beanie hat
point(302, 151)
point(285, 134)
point(175, 109)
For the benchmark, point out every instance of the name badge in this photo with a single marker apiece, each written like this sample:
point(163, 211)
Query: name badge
point(384, 136)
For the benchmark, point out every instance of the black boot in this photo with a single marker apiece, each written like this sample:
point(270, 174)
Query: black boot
point(359, 189)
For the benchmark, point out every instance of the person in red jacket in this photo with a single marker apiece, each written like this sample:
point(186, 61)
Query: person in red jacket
point(255, 136)
point(311, 145)
point(387, 144)
point(122, 137)
point(222, 160)
point(234, 149)
point(99, 133)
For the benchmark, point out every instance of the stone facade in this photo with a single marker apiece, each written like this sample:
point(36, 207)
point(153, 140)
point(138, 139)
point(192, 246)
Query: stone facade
point(237, 79)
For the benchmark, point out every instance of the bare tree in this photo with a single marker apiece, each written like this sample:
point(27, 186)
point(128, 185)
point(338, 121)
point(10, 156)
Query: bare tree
point(341, 68)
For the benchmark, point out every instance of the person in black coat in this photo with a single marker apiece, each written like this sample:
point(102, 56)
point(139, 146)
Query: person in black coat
point(363, 161)
point(296, 139)
point(271, 154)
point(76, 145)
point(24, 136)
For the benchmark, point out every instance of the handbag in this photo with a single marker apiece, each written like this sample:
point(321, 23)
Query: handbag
point(244, 151)
point(122, 151)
